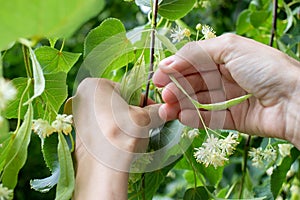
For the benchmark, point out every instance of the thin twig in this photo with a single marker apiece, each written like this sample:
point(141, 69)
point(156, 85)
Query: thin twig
point(150, 73)
point(152, 49)
point(246, 149)
point(274, 22)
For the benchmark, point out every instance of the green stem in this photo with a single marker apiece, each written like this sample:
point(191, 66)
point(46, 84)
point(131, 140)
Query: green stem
point(244, 166)
point(21, 104)
point(196, 173)
point(274, 22)
point(27, 61)
point(62, 46)
point(150, 73)
point(152, 49)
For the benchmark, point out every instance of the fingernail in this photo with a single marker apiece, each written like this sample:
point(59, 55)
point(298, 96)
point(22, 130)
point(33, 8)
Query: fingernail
point(166, 62)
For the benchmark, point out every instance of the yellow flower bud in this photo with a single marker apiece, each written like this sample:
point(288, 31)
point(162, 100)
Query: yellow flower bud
point(187, 32)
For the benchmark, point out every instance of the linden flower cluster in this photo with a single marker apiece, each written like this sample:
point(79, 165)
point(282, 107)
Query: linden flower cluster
point(5, 193)
point(62, 124)
point(7, 93)
point(191, 134)
point(215, 151)
point(260, 156)
point(208, 32)
point(177, 34)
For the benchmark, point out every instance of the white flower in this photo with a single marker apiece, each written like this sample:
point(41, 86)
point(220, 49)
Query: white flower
point(257, 158)
point(260, 156)
point(177, 34)
point(5, 193)
point(269, 154)
point(63, 123)
point(208, 32)
point(210, 153)
point(229, 143)
point(193, 133)
point(214, 151)
point(7, 92)
point(42, 128)
point(270, 171)
point(215, 158)
point(284, 149)
point(212, 143)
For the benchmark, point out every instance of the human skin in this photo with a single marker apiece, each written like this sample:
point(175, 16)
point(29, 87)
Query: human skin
point(216, 69)
point(230, 66)
point(108, 132)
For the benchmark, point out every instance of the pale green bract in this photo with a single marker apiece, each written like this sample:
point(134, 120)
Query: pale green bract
point(213, 106)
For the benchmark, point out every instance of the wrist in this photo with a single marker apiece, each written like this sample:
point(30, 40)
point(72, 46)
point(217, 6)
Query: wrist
point(94, 179)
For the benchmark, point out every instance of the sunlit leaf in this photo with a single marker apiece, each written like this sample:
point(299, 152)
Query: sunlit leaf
point(243, 22)
point(39, 18)
point(47, 104)
point(257, 18)
point(53, 60)
point(104, 31)
point(175, 9)
point(66, 181)
point(17, 155)
point(113, 52)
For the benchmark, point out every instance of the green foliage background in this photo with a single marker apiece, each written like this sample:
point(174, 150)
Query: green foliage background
point(222, 15)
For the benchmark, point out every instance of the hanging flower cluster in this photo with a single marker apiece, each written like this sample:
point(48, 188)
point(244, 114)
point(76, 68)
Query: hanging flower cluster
point(261, 156)
point(62, 124)
point(5, 193)
point(215, 151)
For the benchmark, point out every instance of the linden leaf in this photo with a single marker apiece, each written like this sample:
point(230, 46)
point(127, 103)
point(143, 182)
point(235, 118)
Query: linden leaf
point(40, 18)
point(53, 60)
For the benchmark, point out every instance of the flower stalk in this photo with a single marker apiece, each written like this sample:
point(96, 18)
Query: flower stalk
point(152, 49)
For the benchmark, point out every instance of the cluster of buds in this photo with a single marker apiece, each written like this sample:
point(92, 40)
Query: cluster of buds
point(62, 124)
point(215, 151)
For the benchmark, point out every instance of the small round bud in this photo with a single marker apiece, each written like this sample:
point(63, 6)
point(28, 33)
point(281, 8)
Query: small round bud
point(199, 27)
point(151, 87)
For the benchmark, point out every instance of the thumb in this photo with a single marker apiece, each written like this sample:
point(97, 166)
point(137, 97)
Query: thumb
point(155, 120)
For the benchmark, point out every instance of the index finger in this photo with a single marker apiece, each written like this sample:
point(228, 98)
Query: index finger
point(190, 59)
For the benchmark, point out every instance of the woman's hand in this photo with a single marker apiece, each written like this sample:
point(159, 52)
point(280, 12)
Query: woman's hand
point(108, 133)
point(230, 66)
